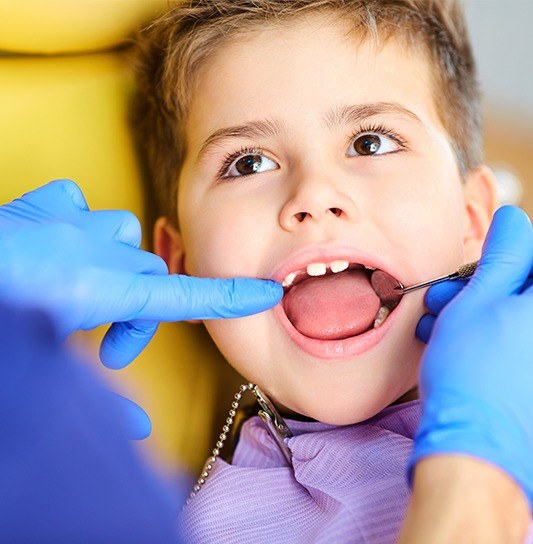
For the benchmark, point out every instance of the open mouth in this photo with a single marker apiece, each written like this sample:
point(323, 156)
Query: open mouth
point(337, 300)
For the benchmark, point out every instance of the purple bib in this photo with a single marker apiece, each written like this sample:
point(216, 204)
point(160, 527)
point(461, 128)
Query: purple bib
point(346, 484)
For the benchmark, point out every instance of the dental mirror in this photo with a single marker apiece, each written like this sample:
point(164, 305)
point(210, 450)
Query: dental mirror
point(391, 291)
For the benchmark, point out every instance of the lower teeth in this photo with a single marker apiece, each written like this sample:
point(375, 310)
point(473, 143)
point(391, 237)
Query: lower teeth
point(382, 314)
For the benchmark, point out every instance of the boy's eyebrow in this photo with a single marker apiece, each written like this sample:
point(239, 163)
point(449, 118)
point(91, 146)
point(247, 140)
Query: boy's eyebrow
point(357, 113)
point(335, 117)
point(253, 129)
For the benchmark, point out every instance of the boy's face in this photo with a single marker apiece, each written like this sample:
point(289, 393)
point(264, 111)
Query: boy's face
point(300, 185)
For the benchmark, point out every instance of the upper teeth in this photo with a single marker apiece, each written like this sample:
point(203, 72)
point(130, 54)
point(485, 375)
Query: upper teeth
point(339, 266)
point(289, 279)
point(317, 269)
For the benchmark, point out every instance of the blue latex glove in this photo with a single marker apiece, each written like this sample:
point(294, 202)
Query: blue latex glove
point(86, 269)
point(476, 376)
point(68, 473)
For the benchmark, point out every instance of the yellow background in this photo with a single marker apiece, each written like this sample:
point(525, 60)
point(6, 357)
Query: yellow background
point(63, 114)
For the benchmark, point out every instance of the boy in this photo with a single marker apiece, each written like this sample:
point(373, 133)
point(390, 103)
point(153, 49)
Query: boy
point(311, 142)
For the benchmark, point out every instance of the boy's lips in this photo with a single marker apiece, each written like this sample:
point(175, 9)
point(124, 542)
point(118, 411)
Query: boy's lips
point(331, 309)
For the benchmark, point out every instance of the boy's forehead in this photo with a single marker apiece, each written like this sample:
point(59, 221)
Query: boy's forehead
point(315, 71)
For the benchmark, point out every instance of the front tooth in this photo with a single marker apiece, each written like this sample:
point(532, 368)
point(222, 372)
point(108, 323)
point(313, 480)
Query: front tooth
point(338, 266)
point(316, 269)
point(289, 279)
point(382, 314)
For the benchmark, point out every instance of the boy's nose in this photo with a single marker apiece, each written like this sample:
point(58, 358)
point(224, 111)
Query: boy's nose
point(301, 216)
point(315, 204)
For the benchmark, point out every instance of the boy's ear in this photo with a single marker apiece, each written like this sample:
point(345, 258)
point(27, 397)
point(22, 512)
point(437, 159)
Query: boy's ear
point(481, 201)
point(168, 245)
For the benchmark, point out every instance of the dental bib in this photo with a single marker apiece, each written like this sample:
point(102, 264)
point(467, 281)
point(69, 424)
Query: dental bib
point(344, 484)
point(333, 307)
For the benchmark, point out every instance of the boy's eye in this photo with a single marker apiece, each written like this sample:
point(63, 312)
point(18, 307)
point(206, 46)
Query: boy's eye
point(249, 164)
point(372, 144)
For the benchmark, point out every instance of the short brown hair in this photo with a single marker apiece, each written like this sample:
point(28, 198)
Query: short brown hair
point(172, 49)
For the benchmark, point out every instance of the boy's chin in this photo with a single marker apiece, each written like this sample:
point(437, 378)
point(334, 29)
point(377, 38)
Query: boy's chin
point(336, 414)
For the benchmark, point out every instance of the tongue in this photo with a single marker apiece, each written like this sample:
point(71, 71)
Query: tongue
point(332, 307)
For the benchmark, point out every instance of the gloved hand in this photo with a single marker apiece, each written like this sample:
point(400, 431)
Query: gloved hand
point(477, 371)
point(86, 269)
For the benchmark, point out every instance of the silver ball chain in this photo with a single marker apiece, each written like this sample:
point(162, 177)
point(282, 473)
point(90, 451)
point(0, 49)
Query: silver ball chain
point(221, 439)
point(268, 414)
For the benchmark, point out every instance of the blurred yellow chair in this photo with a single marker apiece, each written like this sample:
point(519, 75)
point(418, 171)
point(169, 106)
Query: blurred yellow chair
point(63, 114)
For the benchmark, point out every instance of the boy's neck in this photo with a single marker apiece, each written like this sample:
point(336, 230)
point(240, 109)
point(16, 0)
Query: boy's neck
point(286, 413)
point(412, 394)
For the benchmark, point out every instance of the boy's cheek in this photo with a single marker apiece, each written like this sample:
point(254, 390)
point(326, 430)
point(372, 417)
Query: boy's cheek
point(472, 250)
point(228, 251)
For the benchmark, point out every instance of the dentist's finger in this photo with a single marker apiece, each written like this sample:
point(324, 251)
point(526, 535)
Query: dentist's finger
point(120, 225)
point(61, 195)
point(440, 294)
point(527, 286)
point(129, 260)
point(137, 421)
point(179, 298)
point(425, 327)
point(72, 190)
point(124, 341)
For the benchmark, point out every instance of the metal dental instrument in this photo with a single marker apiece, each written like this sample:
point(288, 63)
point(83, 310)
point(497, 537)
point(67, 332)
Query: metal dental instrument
point(391, 291)
point(464, 271)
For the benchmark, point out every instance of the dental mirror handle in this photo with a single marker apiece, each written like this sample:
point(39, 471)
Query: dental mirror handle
point(464, 271)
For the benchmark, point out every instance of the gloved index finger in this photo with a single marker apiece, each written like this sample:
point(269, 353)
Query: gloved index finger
point(121, 225)
point(57, 195)
point(178, 298)
point(441, 294)
point(507, 257)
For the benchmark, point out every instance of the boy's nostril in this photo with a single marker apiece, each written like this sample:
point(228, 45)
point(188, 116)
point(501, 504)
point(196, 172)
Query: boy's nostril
point(336, 211)
point(301, 216)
